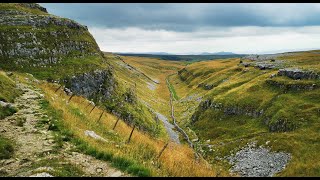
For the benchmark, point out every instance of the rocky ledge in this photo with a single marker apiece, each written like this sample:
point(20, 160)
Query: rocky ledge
point(295, 73)
point(92, 84)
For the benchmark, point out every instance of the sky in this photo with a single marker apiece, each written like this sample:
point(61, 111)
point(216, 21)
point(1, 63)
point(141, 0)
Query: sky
point(193, 28)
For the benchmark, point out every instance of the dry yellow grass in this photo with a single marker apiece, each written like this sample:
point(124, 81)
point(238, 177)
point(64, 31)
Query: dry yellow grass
point(156, 69)
point(176, 160)
point(159, 98)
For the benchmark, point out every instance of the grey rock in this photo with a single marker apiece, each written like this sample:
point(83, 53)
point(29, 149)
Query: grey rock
point(94, 135)
point(258, 162)
point(295, 73)
point(93, 83)
point(43, 174)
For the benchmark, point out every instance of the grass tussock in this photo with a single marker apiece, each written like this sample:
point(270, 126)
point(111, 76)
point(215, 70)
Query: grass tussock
point(6, 148)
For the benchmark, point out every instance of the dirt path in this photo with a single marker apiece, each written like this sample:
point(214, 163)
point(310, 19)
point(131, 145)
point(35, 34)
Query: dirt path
point(34, 144)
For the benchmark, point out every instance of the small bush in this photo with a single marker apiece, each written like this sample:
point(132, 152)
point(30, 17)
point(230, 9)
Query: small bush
point(6, 148)
point(6, 111)
point(107, 156)
point(121, 163)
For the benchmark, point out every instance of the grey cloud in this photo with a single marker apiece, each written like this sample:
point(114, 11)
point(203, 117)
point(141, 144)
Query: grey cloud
point(188, 17)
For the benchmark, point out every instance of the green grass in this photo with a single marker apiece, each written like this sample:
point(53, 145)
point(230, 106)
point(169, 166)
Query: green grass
point(8, 92)
point(6, 111)
point(6, 148)
point(171, 88)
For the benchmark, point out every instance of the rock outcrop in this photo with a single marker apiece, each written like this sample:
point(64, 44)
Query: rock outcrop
point(32, 38)
point(295, 73)
point(227, 110)
point(98, 85)
point(276, 125)
point(206, 86)
point(295, 87)
point(264, 57)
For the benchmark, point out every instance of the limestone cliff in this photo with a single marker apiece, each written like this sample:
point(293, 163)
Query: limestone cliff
point(32, 39)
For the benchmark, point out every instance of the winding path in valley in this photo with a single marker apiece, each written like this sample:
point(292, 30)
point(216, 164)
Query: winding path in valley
point(185, 135)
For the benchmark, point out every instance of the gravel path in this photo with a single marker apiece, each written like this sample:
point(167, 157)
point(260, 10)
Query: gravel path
point(34, 143)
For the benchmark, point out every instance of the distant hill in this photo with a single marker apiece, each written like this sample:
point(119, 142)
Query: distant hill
point(218, 53)
point(173, 57)
point(153, 53)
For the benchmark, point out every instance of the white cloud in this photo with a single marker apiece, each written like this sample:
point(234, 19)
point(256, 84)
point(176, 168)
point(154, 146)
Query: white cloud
point(249, 39)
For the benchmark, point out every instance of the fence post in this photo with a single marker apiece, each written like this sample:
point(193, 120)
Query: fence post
point(58, 88)
point(162, 150)
point(71, 97)
point(116, 124)
point(92, 109)
point(88, 105)
point(100, 116)
point(131, 134)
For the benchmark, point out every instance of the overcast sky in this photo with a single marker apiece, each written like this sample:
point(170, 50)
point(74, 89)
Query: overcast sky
point(195, 28)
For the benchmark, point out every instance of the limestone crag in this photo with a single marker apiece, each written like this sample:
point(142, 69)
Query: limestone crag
point(228, 110)
point(34, 38)
point(99, 83)
point(295, 73)
point(33, 6)
point(264, 64)
point(275, 125)
point(294, 87)
point(24, 19)
point(264, 57)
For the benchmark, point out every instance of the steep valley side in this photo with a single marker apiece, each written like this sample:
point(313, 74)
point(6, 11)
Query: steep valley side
point(239, 111)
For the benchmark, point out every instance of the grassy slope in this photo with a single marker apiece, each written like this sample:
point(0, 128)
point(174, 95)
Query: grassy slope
point(8, 93)
point(70, 65)
point(157, 70)
point(248, 89)
point(154, 68)
point(138, 158)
